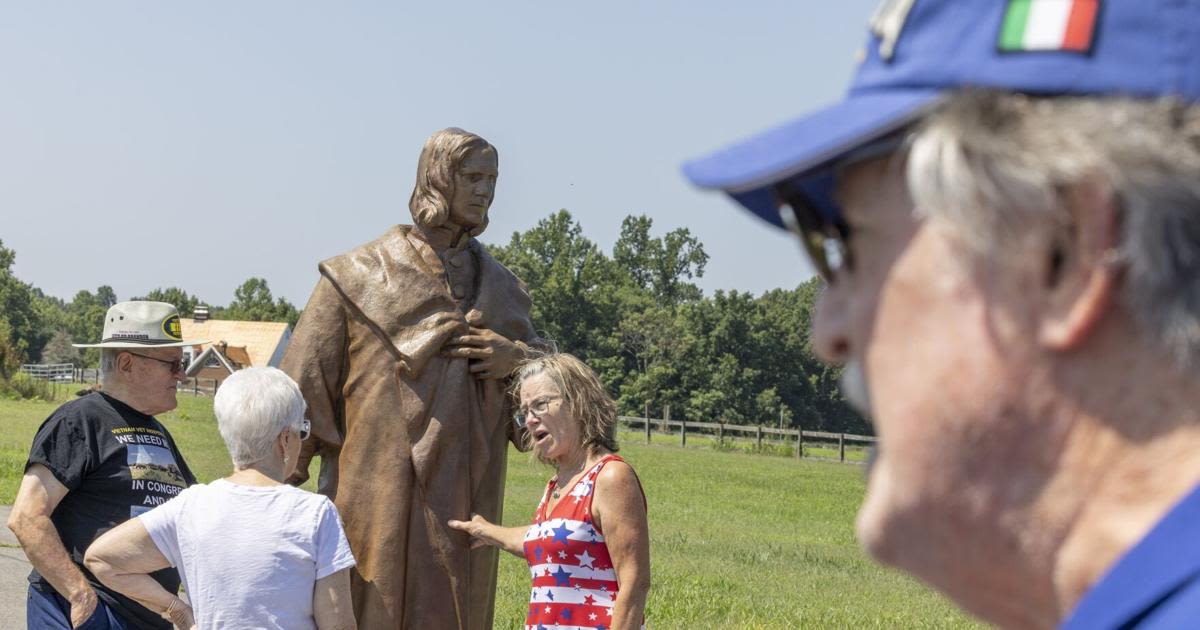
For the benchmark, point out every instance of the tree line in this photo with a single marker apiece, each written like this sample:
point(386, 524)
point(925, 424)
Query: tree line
point(634, 314)
point(40, 328)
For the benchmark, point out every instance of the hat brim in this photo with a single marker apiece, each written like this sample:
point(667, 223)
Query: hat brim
point(748, 169)
point(133, 344)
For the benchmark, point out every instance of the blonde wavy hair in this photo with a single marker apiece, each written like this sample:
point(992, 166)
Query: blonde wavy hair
point(443, 153)
point(584, 397)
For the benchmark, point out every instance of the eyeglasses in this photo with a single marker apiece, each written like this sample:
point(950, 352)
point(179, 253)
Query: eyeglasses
point(537, 409)
point(176, 366)
point(825, 239)
point(305, 429)
point(823, 232)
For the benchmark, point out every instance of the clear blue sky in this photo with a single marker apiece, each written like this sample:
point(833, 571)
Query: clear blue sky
point(149, 144)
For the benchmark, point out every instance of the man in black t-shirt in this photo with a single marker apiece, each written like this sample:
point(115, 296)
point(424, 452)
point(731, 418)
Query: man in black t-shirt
point(98, 461)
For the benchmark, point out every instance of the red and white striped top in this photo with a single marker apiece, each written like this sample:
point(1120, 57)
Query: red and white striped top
point(574, 583)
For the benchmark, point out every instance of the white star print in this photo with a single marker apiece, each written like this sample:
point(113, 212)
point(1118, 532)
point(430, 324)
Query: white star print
point(585, 560)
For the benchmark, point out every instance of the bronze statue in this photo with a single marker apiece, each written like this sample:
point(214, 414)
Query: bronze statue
point(403, 354)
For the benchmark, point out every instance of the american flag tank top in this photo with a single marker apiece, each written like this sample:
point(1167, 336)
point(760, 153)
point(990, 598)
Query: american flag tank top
point(574, 583)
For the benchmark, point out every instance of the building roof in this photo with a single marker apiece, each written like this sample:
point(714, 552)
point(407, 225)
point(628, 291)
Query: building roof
point(199, 362)
point(259, 338)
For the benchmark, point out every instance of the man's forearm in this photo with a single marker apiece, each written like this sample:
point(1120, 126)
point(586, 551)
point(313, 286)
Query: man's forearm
point(49, 557)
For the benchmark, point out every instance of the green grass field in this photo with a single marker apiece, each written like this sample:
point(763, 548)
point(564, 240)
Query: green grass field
point(737, 540)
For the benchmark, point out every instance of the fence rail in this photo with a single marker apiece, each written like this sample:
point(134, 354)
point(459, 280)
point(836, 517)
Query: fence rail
point(719, 429)
point(67, 373)
point(49, 371)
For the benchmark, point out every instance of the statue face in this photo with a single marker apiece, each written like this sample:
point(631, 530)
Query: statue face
point(474, 187)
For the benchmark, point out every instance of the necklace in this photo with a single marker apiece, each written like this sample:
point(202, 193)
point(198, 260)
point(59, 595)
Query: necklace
point(557, 492)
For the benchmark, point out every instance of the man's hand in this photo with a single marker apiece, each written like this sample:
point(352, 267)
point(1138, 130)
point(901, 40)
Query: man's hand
point(492, 355)
point(82, 607)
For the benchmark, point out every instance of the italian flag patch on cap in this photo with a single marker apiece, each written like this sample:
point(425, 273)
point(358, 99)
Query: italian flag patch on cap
point(1049, 25)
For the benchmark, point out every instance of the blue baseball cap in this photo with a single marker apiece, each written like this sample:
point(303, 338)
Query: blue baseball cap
point(919, 51)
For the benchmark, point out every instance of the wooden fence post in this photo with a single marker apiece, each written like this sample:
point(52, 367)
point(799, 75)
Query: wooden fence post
point(799, 442)
point(842, 446)
point(721, 432)
point(683, 431)
point(646, 418)
point(666, 427)
point(759, 437)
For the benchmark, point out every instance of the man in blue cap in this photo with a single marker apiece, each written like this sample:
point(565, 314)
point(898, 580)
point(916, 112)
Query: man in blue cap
point(1006, 209)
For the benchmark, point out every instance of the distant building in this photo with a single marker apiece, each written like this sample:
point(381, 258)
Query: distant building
point(232, 345)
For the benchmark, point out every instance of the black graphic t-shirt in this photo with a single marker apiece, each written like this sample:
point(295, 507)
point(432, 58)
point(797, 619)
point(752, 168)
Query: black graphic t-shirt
point(116, 463)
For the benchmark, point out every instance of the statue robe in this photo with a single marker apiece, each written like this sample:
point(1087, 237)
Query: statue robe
point(408, 438)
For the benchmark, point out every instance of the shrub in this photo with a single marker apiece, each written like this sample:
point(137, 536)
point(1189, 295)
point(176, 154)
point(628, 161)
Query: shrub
point(22, 387)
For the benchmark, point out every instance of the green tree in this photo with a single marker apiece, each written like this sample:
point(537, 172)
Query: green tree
point(573, 284)
point(20, 330)
point(182, 300)
point(253, 302)
point(60, 350)
point(662, 266)
point(85, 318)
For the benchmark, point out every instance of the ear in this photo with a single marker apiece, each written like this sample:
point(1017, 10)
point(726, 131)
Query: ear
point(124, 363)
point(281, 441)
point(1082, 279)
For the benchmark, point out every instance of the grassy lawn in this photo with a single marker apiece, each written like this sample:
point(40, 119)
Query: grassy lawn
point(738, 540)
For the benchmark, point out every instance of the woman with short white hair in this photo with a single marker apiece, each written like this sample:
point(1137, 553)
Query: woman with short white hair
point(252, 550)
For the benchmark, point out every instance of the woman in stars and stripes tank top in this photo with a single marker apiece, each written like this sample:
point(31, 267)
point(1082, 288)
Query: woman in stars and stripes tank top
point(589, 545)
point(574, 581)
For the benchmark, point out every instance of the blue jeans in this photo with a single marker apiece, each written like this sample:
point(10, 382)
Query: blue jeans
point(51, 611)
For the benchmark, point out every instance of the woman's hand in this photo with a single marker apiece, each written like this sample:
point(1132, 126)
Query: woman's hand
point(484, 532)
point(478, 528)
point(183, 618)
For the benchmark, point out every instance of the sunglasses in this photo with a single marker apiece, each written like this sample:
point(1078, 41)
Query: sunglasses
point(176, 366)
point(305, 429)
point(823, 232)
point(537, 409)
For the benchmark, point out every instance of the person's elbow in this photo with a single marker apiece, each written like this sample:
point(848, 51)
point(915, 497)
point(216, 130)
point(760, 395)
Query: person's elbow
point(96, 562)
point(22, 520)
point(14, 522)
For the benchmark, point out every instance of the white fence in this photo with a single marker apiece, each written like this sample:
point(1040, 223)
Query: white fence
point(50, 371)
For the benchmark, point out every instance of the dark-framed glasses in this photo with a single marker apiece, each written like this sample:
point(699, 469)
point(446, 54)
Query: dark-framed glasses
point(176, 365)
point(808, 210)
point(537, 409)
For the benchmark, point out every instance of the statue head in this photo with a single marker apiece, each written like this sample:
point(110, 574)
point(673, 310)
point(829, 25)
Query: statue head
point(456, 180)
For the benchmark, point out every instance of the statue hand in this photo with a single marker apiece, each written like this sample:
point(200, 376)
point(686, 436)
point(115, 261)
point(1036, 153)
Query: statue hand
point(492, 355)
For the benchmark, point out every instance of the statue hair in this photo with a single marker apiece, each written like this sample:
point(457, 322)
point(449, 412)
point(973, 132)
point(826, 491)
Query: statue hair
point(441, 157)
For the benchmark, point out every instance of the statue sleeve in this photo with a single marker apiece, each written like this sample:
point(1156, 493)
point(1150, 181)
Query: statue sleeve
point(316, 360)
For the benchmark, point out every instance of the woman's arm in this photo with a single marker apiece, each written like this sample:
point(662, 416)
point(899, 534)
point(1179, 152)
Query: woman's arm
point(510, 539)
point(619, 510)
point(123, 558)
point(331, 602)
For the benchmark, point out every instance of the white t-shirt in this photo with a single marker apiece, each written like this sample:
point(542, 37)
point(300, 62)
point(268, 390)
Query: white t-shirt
point(250, 556)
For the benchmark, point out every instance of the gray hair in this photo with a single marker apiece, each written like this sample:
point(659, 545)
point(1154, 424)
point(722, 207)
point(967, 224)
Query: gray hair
point(995, 165)
point(108, 364)
point(253, 406)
